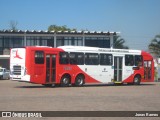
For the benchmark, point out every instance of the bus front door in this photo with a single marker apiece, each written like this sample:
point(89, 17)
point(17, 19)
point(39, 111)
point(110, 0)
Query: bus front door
point(147, 70)
point(118, 63)
point(50, 68)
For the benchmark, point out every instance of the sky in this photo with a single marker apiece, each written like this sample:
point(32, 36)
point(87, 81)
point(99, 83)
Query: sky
point(138, 21)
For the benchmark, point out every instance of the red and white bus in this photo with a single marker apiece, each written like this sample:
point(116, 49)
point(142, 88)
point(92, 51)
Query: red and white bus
point(78, 65)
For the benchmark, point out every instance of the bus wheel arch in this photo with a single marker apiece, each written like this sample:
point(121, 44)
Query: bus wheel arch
point(80, 80)
point(65, 80)
point(137, 79)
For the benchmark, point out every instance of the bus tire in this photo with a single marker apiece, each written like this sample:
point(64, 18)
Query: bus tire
point(65, 81)
point(137, 80)
point(79, 81)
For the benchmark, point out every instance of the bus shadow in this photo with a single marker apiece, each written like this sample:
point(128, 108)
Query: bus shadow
point(89, 85)
point(3, 80)
point(120, 85)
point(31, 87)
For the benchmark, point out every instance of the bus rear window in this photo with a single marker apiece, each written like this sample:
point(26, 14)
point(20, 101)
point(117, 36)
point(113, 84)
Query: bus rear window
point(39, 57)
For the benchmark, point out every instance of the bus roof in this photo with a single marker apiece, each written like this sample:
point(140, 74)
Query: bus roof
point(96, 49)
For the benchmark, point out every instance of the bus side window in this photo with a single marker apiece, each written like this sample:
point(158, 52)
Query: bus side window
point(138, 60)
point(63, 58)
point(76, 58)
point(39, 57)
point(129, 60)
point(72, 57)
point(80, 58)
point(91, 59)
point(106, 59)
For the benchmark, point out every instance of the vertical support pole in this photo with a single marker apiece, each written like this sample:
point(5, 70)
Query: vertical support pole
point(55, 40)
point(111, 41)
point(25, 39)
point(83, 39)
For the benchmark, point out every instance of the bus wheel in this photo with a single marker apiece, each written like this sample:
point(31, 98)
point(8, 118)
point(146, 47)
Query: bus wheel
point(65, 81)
point(137, 80)
point(79, 81)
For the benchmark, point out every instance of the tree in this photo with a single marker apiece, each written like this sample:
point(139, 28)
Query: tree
point(118, 43)
point(13, 25)
point(154, 46)
point(60, 28)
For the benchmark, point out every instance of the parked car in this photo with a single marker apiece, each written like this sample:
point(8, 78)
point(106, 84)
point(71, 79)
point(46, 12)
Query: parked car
point(4, 73)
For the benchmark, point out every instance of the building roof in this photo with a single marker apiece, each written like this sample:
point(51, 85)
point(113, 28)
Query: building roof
point(59, 32)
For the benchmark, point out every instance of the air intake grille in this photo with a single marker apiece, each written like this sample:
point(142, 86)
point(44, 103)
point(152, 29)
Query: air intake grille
point(17, 70)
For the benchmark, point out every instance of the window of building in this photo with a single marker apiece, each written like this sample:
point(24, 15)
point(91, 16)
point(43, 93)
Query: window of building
point(13, 41)
point(1, 42)
point(138, 60)
point(91, 59)
point(69, 40)
point(76, 58)
point(40, 41)
point(78, 41)
point(103, 42)
point(64, 58)
point(129, 60)
point(39, 57)
point(1, 45)
point(106, 59)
